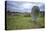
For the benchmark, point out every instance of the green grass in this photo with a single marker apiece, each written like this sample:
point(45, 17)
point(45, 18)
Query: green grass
point(21, 22)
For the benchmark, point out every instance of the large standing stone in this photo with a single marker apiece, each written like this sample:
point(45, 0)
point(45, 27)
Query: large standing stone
point(35, 13)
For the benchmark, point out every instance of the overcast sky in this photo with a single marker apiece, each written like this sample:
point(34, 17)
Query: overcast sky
point(22, 6)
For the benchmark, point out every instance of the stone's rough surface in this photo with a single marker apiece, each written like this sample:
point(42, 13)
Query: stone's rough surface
point(35, 13)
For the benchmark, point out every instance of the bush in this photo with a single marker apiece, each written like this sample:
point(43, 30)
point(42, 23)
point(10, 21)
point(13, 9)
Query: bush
point(27, 15)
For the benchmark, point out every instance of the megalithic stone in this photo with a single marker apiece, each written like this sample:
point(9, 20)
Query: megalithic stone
point(35, 13)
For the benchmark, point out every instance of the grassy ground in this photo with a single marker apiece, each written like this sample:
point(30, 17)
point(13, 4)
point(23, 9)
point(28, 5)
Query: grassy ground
point(21, 22)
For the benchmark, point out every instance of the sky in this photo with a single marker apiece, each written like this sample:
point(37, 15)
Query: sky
point(22, 6)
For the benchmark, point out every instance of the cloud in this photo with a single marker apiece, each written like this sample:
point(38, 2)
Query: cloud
point(23, 6)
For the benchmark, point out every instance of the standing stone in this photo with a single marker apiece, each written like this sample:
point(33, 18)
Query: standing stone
point(35, 13)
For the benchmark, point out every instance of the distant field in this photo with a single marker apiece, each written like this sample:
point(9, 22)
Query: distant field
point(21, 22)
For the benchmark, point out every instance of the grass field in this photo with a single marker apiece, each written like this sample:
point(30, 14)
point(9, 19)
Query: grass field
point(21, 22)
